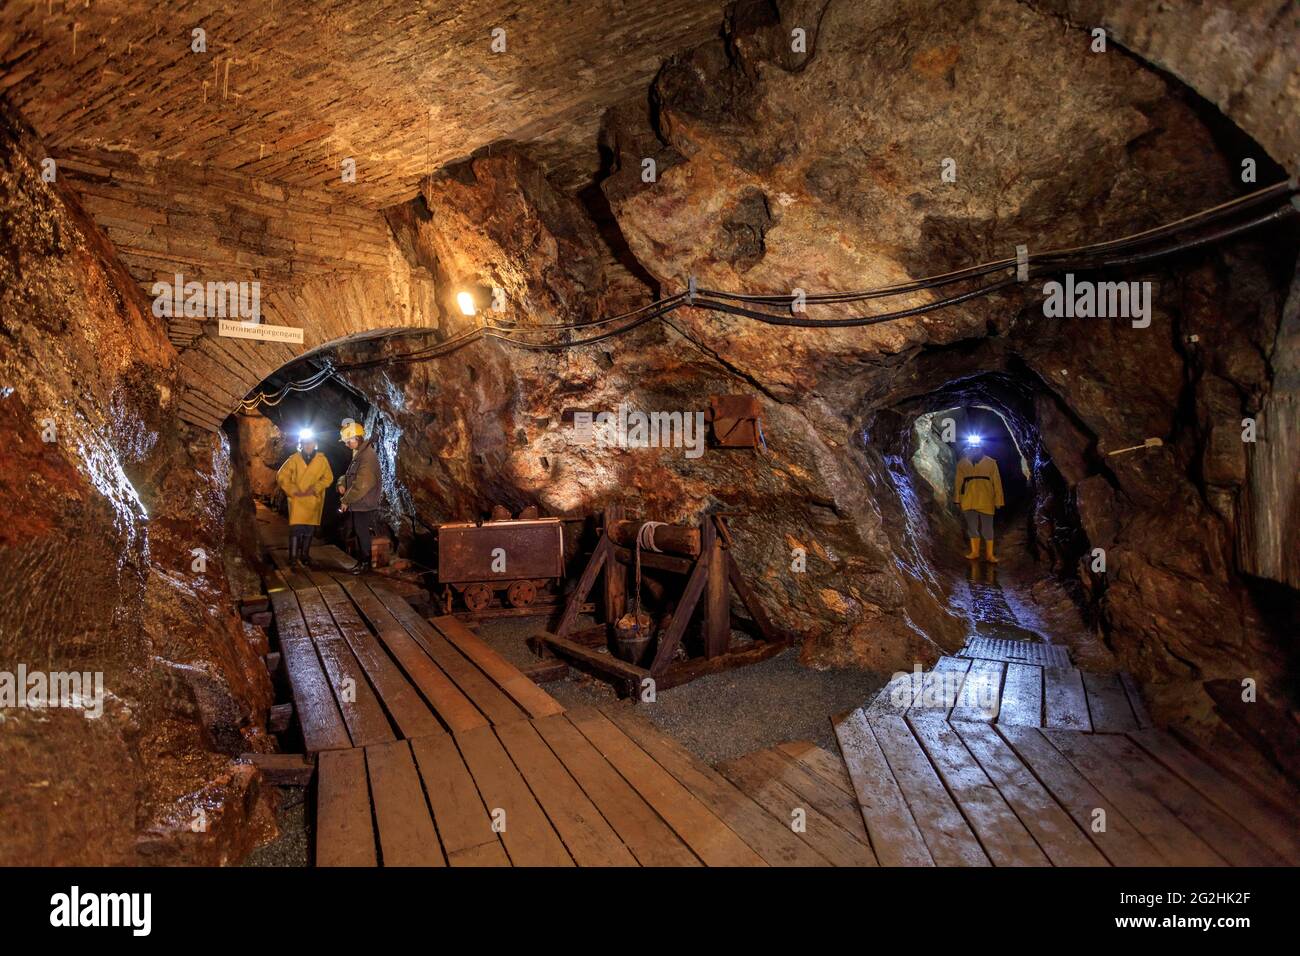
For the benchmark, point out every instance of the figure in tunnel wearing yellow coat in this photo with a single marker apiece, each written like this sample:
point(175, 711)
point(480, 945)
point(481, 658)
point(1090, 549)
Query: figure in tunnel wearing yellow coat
point(978, 492)
point(304, 478)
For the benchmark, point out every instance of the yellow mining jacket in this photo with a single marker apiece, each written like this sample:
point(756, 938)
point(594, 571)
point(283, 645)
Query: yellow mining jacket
point(979, 486)
point(297, 475)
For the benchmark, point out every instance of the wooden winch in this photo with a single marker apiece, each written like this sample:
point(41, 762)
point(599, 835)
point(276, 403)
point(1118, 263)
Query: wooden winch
point(687, 569)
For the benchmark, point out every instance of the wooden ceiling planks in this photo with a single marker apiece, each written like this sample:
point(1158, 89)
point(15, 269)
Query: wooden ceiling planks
point(289, 93)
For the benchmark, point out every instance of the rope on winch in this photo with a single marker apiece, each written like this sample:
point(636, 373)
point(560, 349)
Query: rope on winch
point(645, 538)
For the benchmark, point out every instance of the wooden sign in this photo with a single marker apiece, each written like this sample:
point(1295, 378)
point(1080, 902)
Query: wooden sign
point(234, 329)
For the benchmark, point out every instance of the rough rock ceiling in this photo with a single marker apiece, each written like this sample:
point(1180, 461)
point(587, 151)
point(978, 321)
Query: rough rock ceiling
point(287, 91)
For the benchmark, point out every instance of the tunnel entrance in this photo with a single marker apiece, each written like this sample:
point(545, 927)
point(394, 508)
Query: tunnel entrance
point(1032, 591)
point(942, 438)
point(301, 399)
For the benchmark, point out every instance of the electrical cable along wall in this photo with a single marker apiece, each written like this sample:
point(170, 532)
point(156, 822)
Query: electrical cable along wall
point(1128, 251)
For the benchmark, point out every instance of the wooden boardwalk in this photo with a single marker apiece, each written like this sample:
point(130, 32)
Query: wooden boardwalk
point(433, 750)
point(986, 762)
point(1025, 652)
point(1009, 692)
point(585, 788)
point(365, 668)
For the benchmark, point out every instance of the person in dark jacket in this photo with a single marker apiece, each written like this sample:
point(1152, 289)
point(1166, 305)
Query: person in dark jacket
point(360, 490)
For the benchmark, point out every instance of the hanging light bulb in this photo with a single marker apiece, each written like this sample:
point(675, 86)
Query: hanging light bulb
point(466, 303)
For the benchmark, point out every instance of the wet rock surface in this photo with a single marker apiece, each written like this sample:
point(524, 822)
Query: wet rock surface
point(104, 502)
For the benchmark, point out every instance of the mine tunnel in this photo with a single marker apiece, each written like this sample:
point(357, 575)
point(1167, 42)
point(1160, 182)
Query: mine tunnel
point(773, 413)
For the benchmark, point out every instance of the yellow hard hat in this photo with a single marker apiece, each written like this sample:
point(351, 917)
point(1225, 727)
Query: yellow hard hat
point(351, 430)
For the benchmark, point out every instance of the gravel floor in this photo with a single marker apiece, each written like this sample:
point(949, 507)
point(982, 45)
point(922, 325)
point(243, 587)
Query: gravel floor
point(291, 847)
point(722, 715)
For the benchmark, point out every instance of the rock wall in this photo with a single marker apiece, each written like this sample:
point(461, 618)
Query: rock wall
point(823, 170)
point(103, 501)
point(1239, 56)
point(489, 425)
point(829, 165)
point(260, 450)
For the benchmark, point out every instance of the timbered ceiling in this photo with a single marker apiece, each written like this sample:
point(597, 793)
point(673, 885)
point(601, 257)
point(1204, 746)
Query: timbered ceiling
point(289, 91)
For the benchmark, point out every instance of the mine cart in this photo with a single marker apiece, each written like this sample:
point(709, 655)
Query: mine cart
point(518, 561)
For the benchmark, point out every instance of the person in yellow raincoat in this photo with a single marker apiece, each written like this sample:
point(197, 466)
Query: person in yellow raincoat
point(978, 492)
point(304, 478)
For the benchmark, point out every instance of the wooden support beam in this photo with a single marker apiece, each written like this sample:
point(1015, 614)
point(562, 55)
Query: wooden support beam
point(615, 576)
point(669, 538)
point(585, 583)
point(651, 559)
point(625, 677)
point(283, 770)
point(747, 598)
point(279, 717)
point(597, 636)
point(254, 604)
point(669, 640)
point(687, 671)
point(717, 621)
point(543, 672)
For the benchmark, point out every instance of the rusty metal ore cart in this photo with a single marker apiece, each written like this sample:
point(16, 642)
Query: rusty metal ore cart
point(516, 560)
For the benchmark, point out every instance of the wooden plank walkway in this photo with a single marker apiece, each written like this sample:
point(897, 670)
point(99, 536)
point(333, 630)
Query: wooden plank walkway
point(932, 789)
point(1018, 652)
point(433, 750)
point(365, 668)
point(1015, 693)
point(585, 787)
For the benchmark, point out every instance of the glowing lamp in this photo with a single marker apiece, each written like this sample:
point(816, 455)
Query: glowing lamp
point(306, 434)
point(973, 440)
point(466, 303)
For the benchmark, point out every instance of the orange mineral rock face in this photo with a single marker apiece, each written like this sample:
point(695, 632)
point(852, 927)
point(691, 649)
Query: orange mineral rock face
point(783, 277)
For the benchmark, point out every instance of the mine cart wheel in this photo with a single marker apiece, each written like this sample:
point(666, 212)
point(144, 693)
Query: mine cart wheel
point(477, 596)
point(521, 593)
